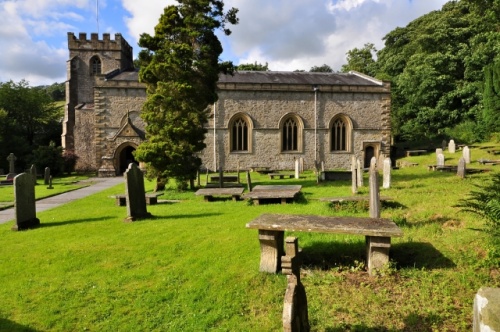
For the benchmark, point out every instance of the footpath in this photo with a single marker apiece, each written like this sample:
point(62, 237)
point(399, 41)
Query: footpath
point(98, 184)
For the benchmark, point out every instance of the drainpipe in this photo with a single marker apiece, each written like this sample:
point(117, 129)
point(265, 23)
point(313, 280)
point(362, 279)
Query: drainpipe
point(215, 142)
point(315, 89)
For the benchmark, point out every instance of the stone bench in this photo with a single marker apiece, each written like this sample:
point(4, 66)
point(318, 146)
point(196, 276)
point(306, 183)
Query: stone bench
point(209, 193)
point(225, 178)
point(414, 152)
point(352, 199)
point(151, 199)
point(280, 176)
point(271, 227)
point(273, 192)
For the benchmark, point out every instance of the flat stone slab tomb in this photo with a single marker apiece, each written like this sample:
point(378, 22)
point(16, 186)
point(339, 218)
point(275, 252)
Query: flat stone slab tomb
point(280, 192)
point(209, 193)
point(378, 233)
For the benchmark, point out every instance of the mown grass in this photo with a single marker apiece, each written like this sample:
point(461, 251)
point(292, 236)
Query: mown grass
point(194, 266)
point(59, 185)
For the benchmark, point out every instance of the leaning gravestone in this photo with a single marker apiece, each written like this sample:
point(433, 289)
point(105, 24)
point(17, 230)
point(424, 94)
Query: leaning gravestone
point(249, 182)
point(295, 313)
point(451, 146)
point(374, 190)
point(486, 310)
point(466, 154)
point(24, 203)
point(461, 170)
point(440, 159)
point(46, 176)
point(386, 183)
point(135, 194)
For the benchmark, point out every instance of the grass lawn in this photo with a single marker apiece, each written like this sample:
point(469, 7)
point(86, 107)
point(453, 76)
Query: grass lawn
point(194, 266)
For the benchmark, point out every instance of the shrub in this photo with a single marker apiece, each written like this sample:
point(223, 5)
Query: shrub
point(49, 156)
point(69, 160)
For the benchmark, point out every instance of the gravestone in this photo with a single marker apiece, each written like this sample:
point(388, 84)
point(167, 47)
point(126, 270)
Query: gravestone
point(249, 182)
point(466, 154)
point(24, 203)
point(440, 159)
point(386, 183)
point(221, 177)
point(461, 169)
point(33, 173)
point(438, 151)
point(301, 162)
point(46, 176)
point(354, 180)
point(297, 169)
point(374, 190)
point(359, 172)
point(12, 169)
point(135, 194)
point(50, 183)
point(295, 312)
point(444, 145)
point(486, 310)
point(451, 146)
point(322, 166)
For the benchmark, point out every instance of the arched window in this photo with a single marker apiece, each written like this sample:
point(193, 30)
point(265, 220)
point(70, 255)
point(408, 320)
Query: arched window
point(340, 133)
point(290, 135)
point(240, 128)
point(95, 66)
point(291, 127)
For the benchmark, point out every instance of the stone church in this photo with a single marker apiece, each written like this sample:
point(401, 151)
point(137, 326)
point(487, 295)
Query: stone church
point(262, 119)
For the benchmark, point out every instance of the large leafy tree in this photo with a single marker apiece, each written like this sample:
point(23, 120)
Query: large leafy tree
point(321, 69)
point(253, 66)
point(180, 67)
point(29, 119)
point(361, 60)
point(436, 67)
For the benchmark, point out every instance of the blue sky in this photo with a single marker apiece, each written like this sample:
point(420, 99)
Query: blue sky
point(287, 34)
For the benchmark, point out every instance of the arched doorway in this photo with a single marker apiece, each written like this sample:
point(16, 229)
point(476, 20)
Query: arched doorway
point(126, 157)
point(369, 154)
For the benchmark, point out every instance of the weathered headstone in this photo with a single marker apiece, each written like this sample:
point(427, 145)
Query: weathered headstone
point(461, 169)
point(295, 312)
point(46, 176)
point(297, 169)
point(135, 193)
point(486, 310)
point(322, 166)
point(380, 162)
point(451, 146)
point(359, 171)
point(444, 145)
point(50, 183)
point(466, 154)
point(440, 160)
point(12, 168)
point(374, 190)
point(24, 203)
point(386, 183)
point(354, 178)
point(249, 182)
point(33, 173)
point(438, 151)
point(301, 162)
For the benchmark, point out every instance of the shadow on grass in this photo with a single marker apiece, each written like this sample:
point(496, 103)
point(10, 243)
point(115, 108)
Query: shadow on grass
point(183, 216)
point(75, 221)
point(328, 255)
point(8, 325)
point(413, 322)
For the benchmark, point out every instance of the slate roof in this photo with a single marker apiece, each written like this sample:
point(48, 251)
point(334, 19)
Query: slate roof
point(277, 77)
point(300, 78)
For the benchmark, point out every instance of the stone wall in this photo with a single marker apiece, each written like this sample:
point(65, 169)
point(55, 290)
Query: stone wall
point(368, 110)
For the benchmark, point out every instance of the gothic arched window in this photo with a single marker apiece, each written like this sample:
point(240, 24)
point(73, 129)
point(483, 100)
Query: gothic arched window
point(340, 133)
point(240, 128)
point(291, 133)
point(95, 66)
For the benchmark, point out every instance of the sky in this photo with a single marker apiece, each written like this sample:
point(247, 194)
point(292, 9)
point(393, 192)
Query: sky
point(286, 34)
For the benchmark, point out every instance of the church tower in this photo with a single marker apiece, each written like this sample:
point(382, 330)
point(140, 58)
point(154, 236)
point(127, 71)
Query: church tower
point(90, 63)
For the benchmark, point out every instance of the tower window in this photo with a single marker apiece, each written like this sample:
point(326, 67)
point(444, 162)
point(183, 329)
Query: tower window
point(95, 65)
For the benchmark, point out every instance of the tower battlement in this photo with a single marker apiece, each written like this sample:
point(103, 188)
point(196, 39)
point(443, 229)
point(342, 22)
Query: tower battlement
point(95, 44)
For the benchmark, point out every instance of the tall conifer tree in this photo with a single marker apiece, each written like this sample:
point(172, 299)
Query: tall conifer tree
point(180, 67)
